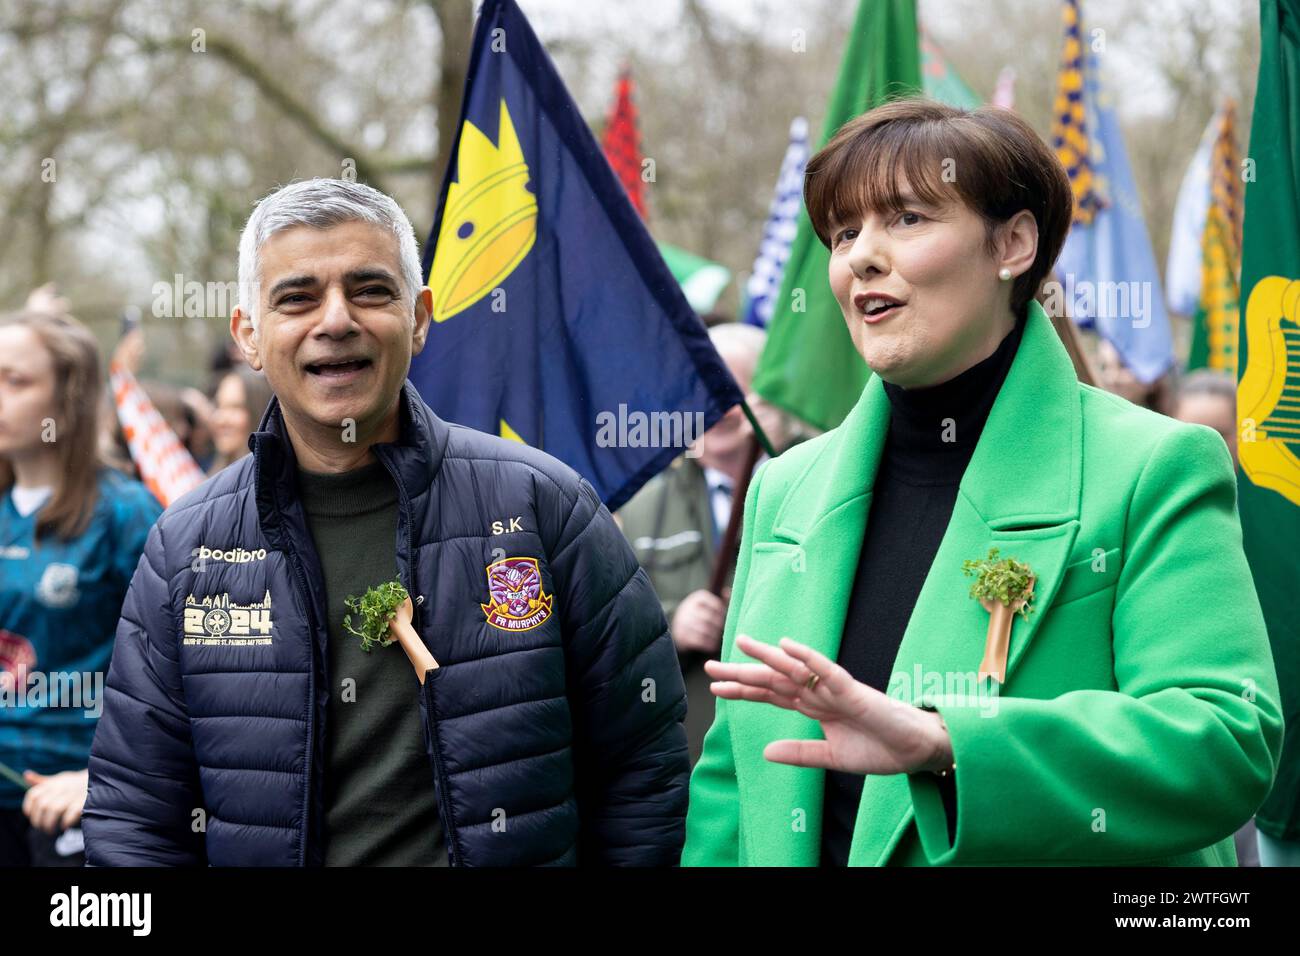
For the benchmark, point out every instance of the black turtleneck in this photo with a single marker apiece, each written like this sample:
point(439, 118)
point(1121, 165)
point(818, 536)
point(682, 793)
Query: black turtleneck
point(932, 436)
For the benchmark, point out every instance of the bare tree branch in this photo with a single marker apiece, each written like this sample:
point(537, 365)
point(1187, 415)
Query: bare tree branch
point(371, 169)
point(456, 23)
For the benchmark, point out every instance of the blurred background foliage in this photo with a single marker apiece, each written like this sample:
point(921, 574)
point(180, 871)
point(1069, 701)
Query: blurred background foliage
point(165, 120)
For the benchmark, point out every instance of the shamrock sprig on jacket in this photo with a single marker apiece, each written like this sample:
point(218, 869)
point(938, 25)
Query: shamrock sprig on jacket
point(1005, 580)
point(375, 609)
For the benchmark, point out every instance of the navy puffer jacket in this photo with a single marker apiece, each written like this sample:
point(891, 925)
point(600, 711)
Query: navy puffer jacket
point(553, 723)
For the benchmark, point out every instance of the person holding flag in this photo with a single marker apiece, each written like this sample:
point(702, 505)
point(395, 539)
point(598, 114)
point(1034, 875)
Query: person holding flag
point(680, 524)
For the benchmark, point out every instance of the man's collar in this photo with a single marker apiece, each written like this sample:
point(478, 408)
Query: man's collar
point(414, 459)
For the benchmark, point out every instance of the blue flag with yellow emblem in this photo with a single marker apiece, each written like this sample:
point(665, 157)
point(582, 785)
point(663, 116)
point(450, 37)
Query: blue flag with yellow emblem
point(555, 320)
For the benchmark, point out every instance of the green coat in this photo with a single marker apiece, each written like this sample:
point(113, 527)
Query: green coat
point(1139, 723)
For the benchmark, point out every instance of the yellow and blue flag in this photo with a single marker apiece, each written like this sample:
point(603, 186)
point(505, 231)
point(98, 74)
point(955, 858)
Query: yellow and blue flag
point(1216, 321)
point(1108, 278)
point(1070, 118)
point(555, 320)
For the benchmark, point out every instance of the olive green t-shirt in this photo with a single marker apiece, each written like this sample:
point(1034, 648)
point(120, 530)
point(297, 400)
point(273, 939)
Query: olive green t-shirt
point(379, 800)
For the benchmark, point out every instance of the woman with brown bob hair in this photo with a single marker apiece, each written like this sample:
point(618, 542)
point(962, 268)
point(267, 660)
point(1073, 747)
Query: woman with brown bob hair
point(71, 533)
point(997, 616)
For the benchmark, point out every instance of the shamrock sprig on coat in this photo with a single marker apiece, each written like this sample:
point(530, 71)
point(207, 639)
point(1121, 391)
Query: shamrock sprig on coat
point(1006, 580)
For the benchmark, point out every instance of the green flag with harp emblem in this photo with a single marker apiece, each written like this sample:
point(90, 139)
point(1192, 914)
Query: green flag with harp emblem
point(1268, 387)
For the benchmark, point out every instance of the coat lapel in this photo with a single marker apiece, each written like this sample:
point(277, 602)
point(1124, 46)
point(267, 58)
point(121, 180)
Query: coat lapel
point(1020, 494)
point(798, 586)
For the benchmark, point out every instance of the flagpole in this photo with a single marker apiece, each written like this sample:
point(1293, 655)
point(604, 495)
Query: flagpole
point(729, 549)
point(730, 546)
point(17, 778)
point(758, 431)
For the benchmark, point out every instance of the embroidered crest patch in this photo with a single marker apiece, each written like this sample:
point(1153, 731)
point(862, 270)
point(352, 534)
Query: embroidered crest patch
point(518, 602)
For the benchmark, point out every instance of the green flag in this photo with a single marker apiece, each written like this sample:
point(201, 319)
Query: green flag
point(941, 81)
point(809, 366)
point(1268, 389)
point(701, 280)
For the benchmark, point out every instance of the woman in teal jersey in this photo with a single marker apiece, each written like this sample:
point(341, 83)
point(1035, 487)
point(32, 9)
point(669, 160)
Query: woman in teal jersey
point(71, 533)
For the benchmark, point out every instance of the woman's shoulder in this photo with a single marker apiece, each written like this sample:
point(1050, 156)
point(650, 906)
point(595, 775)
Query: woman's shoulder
point(114, 484)
point(1129, 429)
point(1136, 445)
point(782, 479)
point(125, 501)
point(1119, 438)
point(1107, 408)
point(787, 467)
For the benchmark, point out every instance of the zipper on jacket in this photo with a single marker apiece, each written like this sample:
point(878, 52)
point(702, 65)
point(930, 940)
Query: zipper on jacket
point(313, 623)
point(449, 834)
point(305, 591)
point(404, 502)
point(426, 688)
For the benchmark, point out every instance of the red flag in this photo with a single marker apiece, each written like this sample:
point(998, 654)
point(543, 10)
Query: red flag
point(622, 143)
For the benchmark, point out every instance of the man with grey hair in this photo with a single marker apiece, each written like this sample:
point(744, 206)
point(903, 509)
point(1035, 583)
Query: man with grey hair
point(244, 722)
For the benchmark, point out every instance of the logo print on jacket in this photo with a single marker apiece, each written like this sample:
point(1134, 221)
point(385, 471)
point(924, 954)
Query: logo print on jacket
point(518, 601)
point(58, 586)
point(215, 621)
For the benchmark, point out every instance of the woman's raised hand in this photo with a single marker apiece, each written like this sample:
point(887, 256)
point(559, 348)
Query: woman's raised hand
point(865, 731)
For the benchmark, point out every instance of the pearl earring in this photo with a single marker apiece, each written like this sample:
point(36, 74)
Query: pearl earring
point(1004, 274)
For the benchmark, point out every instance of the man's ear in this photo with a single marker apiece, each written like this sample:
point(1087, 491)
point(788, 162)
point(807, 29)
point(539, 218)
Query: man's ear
point(242, 331)
point(1019, 242)
point(423, 315)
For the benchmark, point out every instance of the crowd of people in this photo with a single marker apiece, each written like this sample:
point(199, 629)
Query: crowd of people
point(72, 527)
